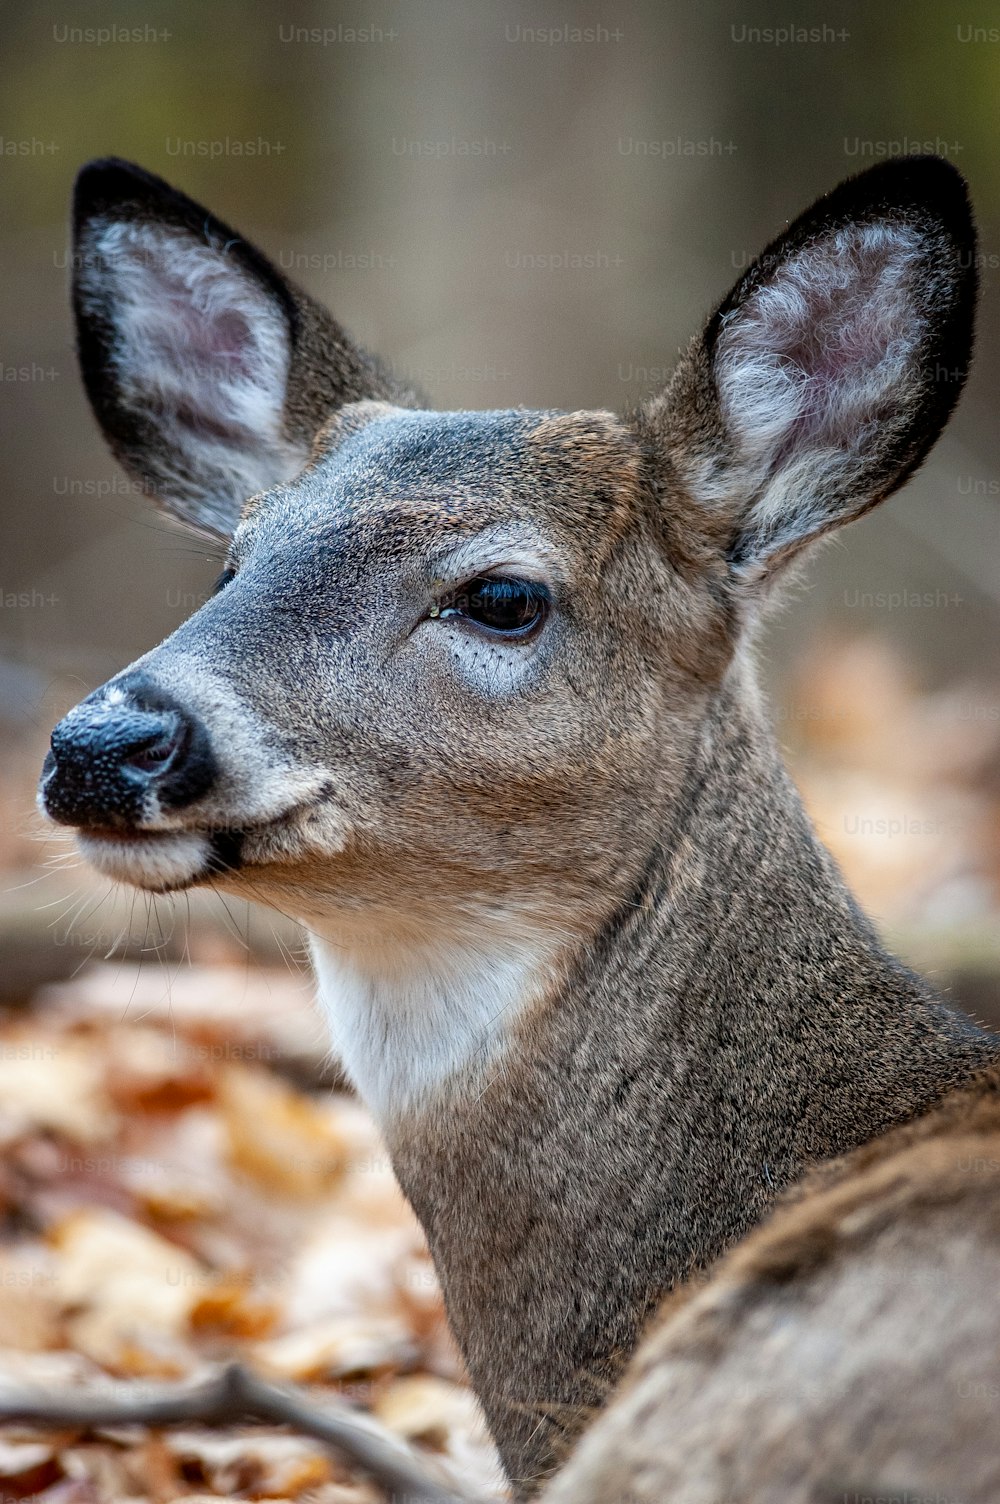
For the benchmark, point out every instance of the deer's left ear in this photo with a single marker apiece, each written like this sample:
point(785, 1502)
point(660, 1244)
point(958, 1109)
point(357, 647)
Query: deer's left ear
point(825, 376)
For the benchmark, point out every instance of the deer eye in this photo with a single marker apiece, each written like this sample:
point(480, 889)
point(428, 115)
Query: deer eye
point(512, 607)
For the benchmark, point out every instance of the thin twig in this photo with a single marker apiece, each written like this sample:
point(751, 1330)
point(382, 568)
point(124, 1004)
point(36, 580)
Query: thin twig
point(234, 1395)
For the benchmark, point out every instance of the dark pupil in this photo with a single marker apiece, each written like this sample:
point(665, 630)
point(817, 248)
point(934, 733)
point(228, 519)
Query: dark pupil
point(504, 605)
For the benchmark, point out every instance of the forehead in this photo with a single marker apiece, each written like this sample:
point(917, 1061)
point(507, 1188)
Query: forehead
point(460, 472)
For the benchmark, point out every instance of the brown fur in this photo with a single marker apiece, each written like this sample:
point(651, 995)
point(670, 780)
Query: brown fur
point(847, 1348)
point(616, 1077)
point(581, 846)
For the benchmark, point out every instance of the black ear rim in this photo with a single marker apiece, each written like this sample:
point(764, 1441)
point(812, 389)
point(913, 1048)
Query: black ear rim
point(928, 193)
point(113, 188)
point(920, 190)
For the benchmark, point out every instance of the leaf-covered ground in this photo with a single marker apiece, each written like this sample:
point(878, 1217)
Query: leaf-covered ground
point(171, 1198)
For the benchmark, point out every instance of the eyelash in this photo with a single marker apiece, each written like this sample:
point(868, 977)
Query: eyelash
point(500, 605)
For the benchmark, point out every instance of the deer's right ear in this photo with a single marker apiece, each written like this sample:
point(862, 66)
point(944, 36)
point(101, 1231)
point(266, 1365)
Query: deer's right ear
point(208, 372)
point(825, 376)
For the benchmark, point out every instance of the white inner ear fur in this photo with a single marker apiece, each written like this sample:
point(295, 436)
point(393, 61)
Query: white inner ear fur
point(201, 349)
point(814, 365)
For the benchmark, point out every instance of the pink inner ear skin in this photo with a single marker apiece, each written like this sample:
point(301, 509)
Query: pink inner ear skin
point(816, 354)
point(221, 341)
point(227, 337)
point(847, 338)
point(192, 325)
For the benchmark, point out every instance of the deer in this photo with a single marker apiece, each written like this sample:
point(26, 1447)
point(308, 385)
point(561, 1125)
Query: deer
point(475, 701)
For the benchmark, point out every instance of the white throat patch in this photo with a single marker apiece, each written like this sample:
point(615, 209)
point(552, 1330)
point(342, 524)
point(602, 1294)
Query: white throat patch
point(408, 1020)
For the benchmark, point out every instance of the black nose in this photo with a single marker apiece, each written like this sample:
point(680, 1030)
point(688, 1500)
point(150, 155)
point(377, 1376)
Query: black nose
point(122, 755)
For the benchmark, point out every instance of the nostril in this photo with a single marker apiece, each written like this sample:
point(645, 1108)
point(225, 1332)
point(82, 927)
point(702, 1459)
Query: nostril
point(124, 756)
point(156, 754)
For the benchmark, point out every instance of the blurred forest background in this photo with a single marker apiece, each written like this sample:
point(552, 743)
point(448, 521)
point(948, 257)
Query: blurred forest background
point(521, 205)
point(515, 204)
point(528, 205)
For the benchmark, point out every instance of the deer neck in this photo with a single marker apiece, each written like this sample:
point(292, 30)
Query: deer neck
point(649, 1095)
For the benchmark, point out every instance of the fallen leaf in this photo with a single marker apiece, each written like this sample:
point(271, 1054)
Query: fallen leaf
point(338, 1347)
point(423, 1408)
point(232, 1306)
point(260, 1464)
point(26, 1467)
point(281, 1138)
point(29, 1309)
point(127, 1292)
point(148, 1071)
point(55, 1083)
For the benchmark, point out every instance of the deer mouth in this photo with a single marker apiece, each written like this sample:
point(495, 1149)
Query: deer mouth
point(167, 861)
point(160, 861)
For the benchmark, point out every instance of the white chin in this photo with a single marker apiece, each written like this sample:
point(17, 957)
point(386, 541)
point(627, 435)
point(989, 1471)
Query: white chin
point(159, 861)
